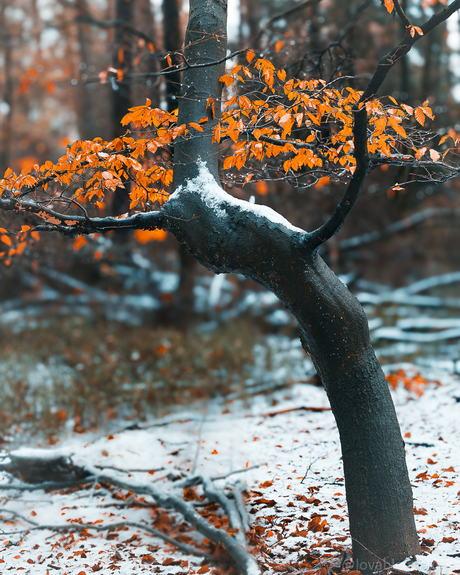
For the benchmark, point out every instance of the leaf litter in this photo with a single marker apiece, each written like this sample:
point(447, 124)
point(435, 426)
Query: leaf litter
point(283, 446)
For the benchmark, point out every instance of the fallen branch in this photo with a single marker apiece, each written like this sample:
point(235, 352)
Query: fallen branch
point(24, 464)
point(404, 298)
point(218, 496)
point(431, 282)
point(38, 467)
point(231, 544)
point(89, 526)
point(238, 489)
point(397, 334)
point(196, 479)
point(396, 227)
point(303, 408)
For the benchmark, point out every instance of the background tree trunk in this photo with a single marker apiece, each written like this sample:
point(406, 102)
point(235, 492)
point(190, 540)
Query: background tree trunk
point(173, 39)
point(7, 96)
point(121, 91)
point(86, 118)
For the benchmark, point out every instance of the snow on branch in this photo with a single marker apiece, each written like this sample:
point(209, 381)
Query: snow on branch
point(220, 202)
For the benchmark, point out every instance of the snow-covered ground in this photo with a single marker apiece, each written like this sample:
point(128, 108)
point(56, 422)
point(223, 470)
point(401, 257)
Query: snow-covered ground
point(284, 446)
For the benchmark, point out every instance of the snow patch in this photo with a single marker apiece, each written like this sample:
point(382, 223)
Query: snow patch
point(218, 200)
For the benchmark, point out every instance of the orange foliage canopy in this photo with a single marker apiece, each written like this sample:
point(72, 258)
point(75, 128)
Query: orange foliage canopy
point(297, 126)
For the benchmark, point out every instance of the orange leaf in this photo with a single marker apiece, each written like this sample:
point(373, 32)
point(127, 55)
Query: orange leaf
point(279, 45)
point(250, 55)
point(408, 109)
point(262, 188)
point(281, 75)
point(247, 178)
point(435, 155)
point(79, 242)
point(322, 181)
point(419, 116)
point(420, 153)
point(168, 58)
point(6, 240)
point(389, 5)
point(103, 77)
point(228, 80)
point(397, 126)
point(196, 126)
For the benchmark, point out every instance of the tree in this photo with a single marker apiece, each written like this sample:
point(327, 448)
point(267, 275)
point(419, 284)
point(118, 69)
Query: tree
point(303, 130)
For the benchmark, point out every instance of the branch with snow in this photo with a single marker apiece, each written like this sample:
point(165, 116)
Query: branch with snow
point(24, 463)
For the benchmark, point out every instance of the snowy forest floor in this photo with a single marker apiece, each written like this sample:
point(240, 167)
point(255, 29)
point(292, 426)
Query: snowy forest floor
point(253, 415)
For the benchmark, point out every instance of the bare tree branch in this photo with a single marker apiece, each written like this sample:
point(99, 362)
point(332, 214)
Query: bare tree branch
point(72, 225)
point(335, 222)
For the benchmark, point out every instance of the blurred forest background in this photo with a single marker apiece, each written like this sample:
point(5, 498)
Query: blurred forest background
point(125, 325)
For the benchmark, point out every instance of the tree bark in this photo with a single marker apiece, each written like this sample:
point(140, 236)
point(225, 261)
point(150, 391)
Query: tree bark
point(227, 235)
point(205, 42)
point(335, 333)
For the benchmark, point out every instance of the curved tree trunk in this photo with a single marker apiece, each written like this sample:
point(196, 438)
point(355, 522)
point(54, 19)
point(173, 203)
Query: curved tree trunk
point(229, 235)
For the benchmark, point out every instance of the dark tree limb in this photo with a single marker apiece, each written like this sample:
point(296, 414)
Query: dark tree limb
point(115, 23)
point(390, 59)
point(400, 12)
point(72, 225)
point(231, 544)
point(335, 222)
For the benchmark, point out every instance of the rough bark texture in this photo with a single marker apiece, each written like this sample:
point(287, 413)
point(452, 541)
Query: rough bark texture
point(333, 325)
point(334, 332)
point(205, 42)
